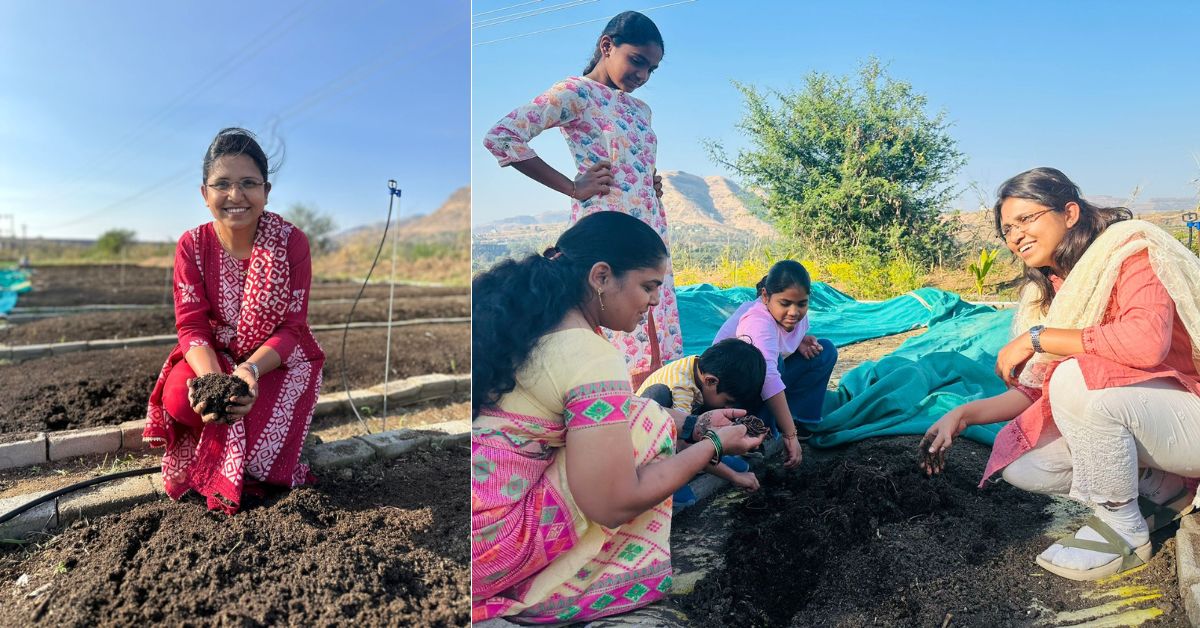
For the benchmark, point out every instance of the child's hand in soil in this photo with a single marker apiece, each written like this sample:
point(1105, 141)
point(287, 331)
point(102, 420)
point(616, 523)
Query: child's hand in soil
point(793, 455)
point(746, 480)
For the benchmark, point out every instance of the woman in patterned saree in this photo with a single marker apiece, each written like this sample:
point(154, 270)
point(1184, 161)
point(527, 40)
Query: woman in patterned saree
point(241, 308)
point(571, 473)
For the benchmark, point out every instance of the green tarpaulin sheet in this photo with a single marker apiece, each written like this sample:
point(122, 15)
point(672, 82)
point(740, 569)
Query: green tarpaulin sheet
point(906, 391)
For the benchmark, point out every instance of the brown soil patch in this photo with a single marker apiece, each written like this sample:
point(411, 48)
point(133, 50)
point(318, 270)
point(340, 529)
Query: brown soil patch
point(859, 536)
point(95, 388)
point(54, 475)
point(95, 284)
point(137, 323)
point(383, 545)
point(415, 416)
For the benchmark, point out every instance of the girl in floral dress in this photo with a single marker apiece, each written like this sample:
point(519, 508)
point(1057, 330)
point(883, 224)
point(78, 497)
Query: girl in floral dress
point(609, 133)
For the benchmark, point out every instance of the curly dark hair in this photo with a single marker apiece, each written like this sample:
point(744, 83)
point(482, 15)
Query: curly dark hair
point(515, 303)
point(1051, 188)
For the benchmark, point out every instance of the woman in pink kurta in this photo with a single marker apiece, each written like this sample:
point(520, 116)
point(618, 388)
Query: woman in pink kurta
point(241, 308)
point(609, 134)
point(1103, 368)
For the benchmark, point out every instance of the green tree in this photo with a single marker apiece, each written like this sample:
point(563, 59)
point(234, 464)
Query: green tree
point(113, 241)
point(318, 226)
point(851, 162)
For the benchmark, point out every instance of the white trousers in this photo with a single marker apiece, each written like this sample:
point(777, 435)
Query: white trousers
point(1104, 436)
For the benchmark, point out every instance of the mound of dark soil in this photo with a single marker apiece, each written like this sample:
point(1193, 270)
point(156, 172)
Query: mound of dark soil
point(96, 388)
point(860, 536)
point(213, 392)
point(386, 546)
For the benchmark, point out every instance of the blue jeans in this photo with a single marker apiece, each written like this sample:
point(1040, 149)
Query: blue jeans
point(805, 381)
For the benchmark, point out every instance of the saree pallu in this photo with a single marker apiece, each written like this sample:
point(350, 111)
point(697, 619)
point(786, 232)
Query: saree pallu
point(535, 557)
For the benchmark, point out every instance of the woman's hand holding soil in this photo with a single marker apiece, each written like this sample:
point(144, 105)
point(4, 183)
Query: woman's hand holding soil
point(938, 438)
point(241, 405)
point(715, 419)
point(734, 440)
point(593, 182)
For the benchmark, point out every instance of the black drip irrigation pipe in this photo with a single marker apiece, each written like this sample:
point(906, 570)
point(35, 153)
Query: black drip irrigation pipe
point(393, 193)
point(74, 487)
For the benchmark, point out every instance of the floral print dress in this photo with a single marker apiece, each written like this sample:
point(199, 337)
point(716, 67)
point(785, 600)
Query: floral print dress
point(605, 124)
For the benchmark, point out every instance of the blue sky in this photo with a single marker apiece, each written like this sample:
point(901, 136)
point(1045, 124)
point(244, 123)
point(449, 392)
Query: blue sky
point(107, 107)
point(1105, 91)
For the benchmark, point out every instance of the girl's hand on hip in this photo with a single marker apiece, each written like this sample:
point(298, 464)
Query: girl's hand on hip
point(594, 181)
point(658, 188)
point(1012, 356)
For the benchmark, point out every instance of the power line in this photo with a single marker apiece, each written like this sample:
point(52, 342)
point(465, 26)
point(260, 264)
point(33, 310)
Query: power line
point(256, 45)
point(528, 14)
point(555, 28)
point(513, 6)
point(338, 84)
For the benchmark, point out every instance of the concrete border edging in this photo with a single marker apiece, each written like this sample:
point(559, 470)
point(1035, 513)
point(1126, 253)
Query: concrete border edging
point(1187, 565)
point(128, 492)
point(18, 353)
point(24, 453)
point(127, 436)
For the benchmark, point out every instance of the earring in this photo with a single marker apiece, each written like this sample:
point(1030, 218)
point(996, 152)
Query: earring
point(600, 295)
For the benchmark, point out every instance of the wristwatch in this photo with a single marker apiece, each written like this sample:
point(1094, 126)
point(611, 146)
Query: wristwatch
point(689, 426)
point(1035, 338)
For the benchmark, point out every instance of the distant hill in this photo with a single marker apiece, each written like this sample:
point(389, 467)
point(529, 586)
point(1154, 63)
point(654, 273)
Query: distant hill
point(701, 209)
point(449, 222)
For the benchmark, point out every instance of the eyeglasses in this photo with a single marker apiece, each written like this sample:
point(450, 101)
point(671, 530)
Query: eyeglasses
point(1022, 223)
point(247, 186)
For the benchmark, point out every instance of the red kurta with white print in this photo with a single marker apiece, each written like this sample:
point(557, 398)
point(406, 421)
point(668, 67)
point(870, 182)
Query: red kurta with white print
point(236, 306)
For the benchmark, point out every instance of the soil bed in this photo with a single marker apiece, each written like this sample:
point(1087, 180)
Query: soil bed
point(381, 545)
point(136, 323)
point(859, 536)
point(96, 388)
point(102, 284)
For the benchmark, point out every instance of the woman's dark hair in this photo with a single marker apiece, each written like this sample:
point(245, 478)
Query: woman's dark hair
point(1051, 188)
point(236, 141)
point(783, 275)
point(629, 27)
point(515, 303)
